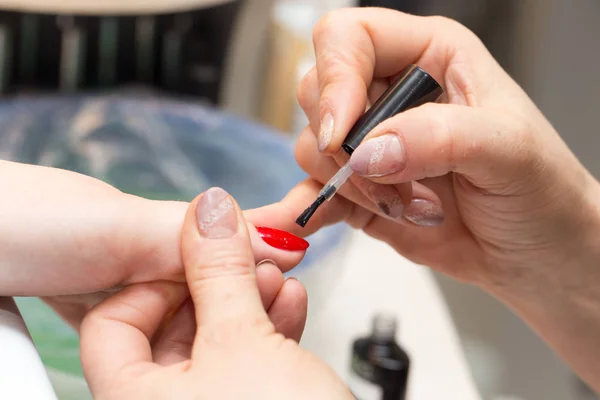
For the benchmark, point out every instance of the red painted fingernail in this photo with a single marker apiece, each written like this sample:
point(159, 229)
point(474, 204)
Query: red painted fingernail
point(282, 239)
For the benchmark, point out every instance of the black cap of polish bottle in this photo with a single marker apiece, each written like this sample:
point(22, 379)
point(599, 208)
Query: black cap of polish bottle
point(412, 88)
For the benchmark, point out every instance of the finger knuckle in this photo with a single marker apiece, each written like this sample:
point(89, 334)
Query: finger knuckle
point(453, 35)
point(442, 137)
point(226, 261)
point(333, 65)
point(128, 312)
point(343, 48)
point(525, 147)
point(326, 24)
point(449, 25)
point(304, 91)
point(305, 148)
point(226, 332)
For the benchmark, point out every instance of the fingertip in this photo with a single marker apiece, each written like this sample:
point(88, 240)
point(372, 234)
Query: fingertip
point(426, 208)
point(285, 259)
point(215, 214)
point(282, 240)
point(289, 310)
point(219, 260)
point(435, 139)
point(326, 131)
point(269, 279)
point(282, 215)
point(343, 101)
point(298, 291)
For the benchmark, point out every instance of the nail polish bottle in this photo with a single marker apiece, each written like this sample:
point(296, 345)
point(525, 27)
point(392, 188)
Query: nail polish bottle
point(379, 369)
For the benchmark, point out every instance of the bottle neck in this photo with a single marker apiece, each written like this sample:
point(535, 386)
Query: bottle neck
point(384, 328)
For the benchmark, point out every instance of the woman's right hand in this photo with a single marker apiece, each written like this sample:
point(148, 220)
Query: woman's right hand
point(481, 188)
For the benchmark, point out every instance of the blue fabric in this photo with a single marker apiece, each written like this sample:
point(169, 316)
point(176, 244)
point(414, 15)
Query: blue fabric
point(156, 148)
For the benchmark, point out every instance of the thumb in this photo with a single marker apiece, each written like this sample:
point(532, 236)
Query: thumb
point(493, 151)
point(219, 263)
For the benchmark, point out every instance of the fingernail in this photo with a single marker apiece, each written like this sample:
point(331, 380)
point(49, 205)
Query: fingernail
point(326, 131)
point(281, 239)
point(380, 156)
point(217, 218)
point(424, 213)
point(392, 208)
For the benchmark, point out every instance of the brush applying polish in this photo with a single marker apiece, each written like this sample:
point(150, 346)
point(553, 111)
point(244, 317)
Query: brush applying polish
point(328, 191)
point(412, 88)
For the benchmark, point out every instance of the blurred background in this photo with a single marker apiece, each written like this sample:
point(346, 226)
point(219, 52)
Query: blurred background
point(245, 57)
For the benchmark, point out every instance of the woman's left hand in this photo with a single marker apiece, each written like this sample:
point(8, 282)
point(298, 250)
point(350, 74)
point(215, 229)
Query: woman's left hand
point(148, 342)
point(73, 240)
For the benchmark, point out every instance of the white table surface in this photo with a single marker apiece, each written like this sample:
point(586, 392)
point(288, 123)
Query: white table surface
point(376, 278)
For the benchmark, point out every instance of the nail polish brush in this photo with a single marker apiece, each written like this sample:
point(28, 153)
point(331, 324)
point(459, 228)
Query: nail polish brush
point(412, 88)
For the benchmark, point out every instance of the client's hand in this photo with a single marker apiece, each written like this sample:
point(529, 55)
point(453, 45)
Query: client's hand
point(73, 239)
point(218, 345)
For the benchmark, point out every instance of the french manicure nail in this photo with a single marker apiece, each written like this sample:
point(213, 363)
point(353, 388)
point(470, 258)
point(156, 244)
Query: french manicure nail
point(217, 217)
point(392, 208)
point(424, 213)
point(281, 239)
point(326, 131)
point(379, 156)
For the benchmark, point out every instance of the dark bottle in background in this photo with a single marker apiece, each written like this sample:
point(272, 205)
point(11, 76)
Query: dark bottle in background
point(379, 366)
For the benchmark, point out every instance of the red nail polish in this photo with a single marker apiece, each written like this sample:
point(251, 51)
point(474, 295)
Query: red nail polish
point(282, 239)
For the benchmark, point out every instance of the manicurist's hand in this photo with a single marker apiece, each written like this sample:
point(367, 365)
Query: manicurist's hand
point(148, 342)
point(73, 240)
point(480, 187)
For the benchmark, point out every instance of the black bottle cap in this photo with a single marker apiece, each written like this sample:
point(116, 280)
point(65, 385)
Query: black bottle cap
point(412, 88)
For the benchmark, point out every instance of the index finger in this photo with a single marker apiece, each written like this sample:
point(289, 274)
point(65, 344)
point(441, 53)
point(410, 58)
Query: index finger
point(353, 46)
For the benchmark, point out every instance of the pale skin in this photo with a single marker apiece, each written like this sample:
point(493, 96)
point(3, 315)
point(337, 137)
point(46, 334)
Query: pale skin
point(480, 187)
point(483, 190)
point(221, 344)
point(73, 240)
